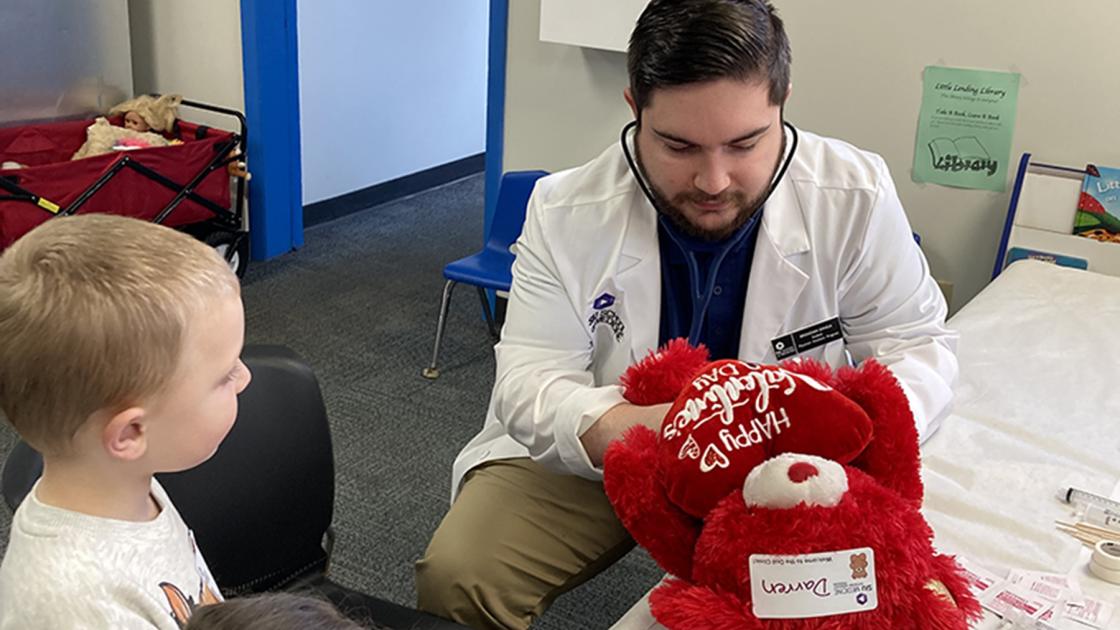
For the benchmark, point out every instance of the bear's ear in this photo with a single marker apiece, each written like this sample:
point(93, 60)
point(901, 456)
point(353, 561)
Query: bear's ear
point(661, 376)
point(812, 368)
point(892, 457)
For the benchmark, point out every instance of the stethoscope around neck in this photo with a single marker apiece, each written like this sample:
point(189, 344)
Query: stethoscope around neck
point(701, 297)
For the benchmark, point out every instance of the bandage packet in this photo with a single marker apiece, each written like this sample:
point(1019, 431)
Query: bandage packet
point(979, 579)
point(1006, 599)
point(1092, 612)
point(1054, 587)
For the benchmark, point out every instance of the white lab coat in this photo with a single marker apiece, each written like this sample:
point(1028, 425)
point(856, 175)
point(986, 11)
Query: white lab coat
point(834, 242)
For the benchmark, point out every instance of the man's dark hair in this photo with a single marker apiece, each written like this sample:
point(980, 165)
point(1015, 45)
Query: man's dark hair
point(677, 42)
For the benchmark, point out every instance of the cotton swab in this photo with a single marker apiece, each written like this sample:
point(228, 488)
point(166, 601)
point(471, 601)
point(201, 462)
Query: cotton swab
point(1086, 533)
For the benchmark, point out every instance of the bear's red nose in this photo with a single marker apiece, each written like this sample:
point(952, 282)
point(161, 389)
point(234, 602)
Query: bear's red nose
point(800, 471)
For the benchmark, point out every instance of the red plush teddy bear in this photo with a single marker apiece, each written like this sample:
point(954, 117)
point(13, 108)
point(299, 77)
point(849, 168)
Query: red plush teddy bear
point(781, 497)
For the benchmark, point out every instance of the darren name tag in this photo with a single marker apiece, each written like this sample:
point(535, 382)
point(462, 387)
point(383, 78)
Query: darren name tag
point(807, 338)
point(813, 585)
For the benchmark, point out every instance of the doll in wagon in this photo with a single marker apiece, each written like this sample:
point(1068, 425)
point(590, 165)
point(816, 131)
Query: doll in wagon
point(145, 119)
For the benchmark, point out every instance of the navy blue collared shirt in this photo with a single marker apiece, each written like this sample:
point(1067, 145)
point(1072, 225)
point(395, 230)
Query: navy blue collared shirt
point(680, 299)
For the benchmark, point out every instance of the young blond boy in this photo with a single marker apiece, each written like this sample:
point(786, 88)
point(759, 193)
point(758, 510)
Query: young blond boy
point(119, 358)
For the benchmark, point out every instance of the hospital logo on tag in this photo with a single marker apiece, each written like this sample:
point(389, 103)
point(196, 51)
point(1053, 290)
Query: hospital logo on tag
point(603, 301)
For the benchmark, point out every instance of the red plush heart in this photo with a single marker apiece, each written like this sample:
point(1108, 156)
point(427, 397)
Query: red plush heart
point(733, 416)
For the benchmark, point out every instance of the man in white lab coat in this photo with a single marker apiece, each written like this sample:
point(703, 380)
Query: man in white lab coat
point(711, 220)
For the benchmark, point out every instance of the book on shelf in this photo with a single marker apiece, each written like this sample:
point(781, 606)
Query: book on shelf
point(1098, 206)
point(1023, 253)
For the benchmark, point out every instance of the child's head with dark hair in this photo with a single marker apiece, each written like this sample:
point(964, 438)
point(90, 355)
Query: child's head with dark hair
point(274, 611)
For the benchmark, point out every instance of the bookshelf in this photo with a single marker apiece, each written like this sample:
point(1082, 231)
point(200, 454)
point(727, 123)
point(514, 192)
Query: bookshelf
point(1040, 217)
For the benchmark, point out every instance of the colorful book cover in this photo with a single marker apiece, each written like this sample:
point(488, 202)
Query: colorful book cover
point(1098, 208)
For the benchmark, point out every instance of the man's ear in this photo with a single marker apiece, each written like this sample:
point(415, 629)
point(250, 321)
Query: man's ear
point(629, 96)
point(124, 435)
point(789, 91)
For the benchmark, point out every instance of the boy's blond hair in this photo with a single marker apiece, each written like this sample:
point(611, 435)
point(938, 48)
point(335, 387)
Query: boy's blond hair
point(94, 310)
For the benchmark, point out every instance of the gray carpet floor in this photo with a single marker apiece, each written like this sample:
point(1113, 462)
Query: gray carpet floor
point(359, 303)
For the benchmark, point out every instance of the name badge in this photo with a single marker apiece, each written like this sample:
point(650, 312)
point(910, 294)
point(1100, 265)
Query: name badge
point(807, 338)
point(813, 585)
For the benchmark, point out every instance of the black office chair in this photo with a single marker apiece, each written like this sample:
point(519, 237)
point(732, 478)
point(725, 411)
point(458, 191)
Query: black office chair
point(261, 507)
point(21, 469)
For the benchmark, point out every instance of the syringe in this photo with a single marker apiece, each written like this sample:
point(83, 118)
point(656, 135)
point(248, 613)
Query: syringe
point(1075, 496)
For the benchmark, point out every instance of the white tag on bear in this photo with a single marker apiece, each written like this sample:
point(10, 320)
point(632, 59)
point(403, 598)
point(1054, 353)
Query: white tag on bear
point(813, 585)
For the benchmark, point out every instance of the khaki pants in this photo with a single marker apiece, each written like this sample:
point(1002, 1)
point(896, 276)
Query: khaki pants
point(516, 537)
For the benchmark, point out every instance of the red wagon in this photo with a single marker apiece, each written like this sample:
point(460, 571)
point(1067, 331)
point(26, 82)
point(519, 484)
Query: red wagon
point(186, 186)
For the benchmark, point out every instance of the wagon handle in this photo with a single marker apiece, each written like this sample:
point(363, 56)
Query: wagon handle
point(17, 193)
point(244, 132)
point(240, 171)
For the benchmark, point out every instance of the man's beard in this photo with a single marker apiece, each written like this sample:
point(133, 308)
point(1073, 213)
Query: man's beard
point(744, 210)
point(745, 207)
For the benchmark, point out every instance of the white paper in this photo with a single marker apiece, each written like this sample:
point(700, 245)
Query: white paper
point(813, 585)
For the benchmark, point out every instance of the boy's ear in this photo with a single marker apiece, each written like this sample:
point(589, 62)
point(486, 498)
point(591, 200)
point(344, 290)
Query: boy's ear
point(124, 435)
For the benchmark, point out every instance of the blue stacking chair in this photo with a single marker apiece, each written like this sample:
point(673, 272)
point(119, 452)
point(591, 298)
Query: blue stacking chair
point(490, 268)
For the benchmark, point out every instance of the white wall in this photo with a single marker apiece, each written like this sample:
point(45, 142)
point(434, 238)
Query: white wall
point(189, 48)
point(388, 88)
point(563, 103)
point(857, 75)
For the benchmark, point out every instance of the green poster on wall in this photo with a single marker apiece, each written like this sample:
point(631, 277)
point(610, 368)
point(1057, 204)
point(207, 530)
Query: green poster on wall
point(965, 127)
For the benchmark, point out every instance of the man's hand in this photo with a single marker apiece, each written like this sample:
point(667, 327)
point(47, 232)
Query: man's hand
point(612, 424)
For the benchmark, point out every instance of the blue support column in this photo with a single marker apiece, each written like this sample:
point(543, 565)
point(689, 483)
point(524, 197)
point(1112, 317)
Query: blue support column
point(495, 105)
point(495, 114)
point(271, 73)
